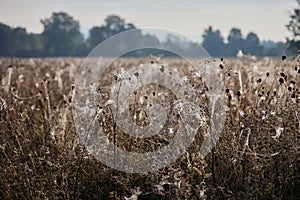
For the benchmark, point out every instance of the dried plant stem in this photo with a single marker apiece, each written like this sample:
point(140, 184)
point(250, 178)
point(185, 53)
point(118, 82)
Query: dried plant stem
point(240, 81)
point(7, 89)
point(47, 98)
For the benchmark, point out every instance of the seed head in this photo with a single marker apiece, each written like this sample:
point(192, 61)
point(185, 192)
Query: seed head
point(293, 95)
point(238, 93)
point(162, 69)
point(283, 57)
point(281, 80)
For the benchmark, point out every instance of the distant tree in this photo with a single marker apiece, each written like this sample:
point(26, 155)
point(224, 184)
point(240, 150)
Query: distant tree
point(114, 24)
point(294, 28)
point(20, 41)
point(5, 37)
point(252, 45)
point(276, 49)
point(61, 35)
point(30, 46)
point(97, 35)
point(173, 42)
point(235, 41)
point(150, 40)
point(17, 42)
point(213, 42)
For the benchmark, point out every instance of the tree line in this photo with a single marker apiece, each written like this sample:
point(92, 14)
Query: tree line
point(61, 36)
point(215, 44)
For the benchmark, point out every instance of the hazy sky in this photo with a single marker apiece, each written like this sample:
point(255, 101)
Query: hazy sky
point(267, 18)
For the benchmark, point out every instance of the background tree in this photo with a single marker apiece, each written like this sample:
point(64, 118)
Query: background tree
point(252, 45)
point(5, 37)
point(294, 28)
point(235, 41)
point(17, 42)
point(213, 42)
point(113, 25)
point(61, 35)
point(278, 48)
point(20, 41)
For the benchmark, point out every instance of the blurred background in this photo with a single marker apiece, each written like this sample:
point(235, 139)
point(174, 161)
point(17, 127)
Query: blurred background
point(35, 28)
point(257, 155)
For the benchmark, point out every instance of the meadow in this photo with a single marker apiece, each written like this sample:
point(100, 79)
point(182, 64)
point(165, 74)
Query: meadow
point(257, 155)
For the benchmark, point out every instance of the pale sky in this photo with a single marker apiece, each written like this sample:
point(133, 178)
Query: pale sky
point(267, 18)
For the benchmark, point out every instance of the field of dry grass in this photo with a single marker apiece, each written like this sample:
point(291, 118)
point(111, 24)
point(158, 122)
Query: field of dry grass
point(257, 156)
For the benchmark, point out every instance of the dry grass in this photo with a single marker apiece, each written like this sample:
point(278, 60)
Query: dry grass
point(257, 156)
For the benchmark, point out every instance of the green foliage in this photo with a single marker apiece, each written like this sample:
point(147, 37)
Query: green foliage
point(213, 42)
point(17, 42)
point(278, 49)
point(61, 35)
point(235, 41)
point(5, 32)
point(113, 25)
point(215, 45)
point(294, 28)
point(252, 45)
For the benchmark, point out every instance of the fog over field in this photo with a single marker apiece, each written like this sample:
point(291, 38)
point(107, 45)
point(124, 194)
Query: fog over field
point(204, 104)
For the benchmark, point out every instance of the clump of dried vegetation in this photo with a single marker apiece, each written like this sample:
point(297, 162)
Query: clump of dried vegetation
point(257, 156)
